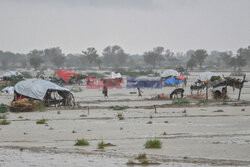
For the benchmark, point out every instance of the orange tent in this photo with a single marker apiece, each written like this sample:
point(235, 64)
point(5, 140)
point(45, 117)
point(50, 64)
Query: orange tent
point(66, 75)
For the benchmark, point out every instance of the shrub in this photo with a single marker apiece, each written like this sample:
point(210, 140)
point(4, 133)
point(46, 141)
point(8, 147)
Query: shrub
point(155, 143)
point(41, 121)
point(3, 108)
point(81, 142)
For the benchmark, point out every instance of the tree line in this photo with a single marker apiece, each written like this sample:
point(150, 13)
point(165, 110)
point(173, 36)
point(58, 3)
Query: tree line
point(116, 57)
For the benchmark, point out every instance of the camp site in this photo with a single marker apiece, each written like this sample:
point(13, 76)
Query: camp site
point(124, 83)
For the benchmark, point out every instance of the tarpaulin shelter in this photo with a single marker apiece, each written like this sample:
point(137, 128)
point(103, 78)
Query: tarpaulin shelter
point(115, 75)
point(8, 90)
point(206, 76)
point(40, 89)
point(181, 78)
point(169, 72)
point(11, 73)
point(172, 81)
point(66, 75)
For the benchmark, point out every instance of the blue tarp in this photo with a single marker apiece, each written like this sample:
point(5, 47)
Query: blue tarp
point(171, 81)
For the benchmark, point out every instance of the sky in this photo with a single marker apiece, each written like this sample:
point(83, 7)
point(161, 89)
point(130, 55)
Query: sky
point(135, 25)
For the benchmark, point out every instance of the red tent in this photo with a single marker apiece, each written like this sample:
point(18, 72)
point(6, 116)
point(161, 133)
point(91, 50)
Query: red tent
point(66, 74)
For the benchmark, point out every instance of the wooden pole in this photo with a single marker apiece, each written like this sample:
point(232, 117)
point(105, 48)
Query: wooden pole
point(206, 92)
point(241, 86)
point(155, 108)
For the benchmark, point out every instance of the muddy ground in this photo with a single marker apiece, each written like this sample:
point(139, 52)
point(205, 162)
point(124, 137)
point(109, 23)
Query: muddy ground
point(214, 134)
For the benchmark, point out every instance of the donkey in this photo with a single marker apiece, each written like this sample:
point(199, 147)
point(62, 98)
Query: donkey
point(176, 92)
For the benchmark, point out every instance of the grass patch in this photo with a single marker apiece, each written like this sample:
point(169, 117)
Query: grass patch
point(41, 121)
point(3, 108)
point(225, 102)
point(155, 143)
point(81, 142)
point(203, 101)
point(118, 107)
point(141, 156)
point(4, 122)
point(101, 145)
point(181, 101)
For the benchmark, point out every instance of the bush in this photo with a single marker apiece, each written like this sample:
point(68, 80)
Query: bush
point(155, 143)
point(3, 108)
point(120, 116)
point(81, 142)
point(41, 121)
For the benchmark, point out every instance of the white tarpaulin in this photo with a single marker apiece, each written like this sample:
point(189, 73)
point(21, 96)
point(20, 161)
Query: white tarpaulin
point(36, 88)
point(8, 90)
point(206, 75)
point(115, 76)
point(11, 73)
point(170, 72)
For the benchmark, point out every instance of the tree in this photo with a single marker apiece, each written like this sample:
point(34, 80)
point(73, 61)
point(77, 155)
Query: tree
point(200, 55)
point(226, 58)
point(35, 58)
point(52, 55)
point(192, 62)
point(154, 57)
point(92, 57)
point(114, 55)
point(58, 60)
point(237, 61)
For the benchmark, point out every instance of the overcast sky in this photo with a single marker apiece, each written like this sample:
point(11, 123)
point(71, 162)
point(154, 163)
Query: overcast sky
point(135, 25)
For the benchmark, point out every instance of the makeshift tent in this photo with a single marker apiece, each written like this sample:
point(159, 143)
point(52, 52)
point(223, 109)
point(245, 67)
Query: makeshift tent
point(37, 88)
point(8, 90)
point(206, 76)
point(181, 78)
point(66, 75)
point(11, 73)
point(171, 81)
point(115, 76)
point(169, 72)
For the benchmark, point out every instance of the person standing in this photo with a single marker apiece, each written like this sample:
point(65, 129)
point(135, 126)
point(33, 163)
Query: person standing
point(139, 92)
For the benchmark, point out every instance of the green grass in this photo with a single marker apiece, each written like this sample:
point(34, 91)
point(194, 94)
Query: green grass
point(81, 142)
point(118, 107)
point(181, 101)
point(41, 121)
point(155, 143)
point(141, 156)
point(203, 101)
point(4, 122)
point(3, 108)
point(101, 145)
